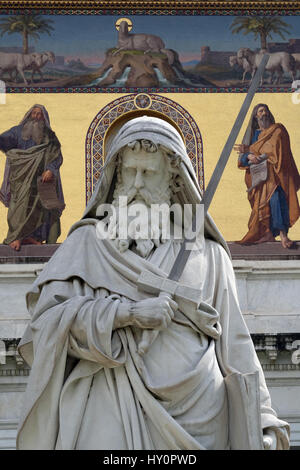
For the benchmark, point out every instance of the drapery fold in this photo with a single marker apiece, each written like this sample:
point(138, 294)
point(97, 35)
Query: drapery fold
point(173, 397)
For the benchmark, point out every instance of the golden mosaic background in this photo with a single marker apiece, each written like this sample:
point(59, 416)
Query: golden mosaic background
point(72, 114)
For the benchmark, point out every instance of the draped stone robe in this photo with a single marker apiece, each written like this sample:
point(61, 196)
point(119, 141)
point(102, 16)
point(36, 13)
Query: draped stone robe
point(89, 388)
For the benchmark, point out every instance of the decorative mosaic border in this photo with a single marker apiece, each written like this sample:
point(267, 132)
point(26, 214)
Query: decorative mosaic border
point(186, 6)
point(126, 105)
point(178, 12)
point(272, 89)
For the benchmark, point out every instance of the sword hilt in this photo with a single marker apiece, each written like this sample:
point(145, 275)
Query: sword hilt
point(154, 284)
point(149, 336)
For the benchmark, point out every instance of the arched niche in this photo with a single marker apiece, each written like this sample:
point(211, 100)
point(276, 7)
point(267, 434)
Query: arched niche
point(108, 121)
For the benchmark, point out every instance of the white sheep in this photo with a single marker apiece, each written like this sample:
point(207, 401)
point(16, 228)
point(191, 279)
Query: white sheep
point(278, 62)
point(139, 42)
point(15, 63)
point(41, 58)
point(297, 61)
point(234, 60)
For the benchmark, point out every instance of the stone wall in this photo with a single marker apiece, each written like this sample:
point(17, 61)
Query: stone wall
point(293, 46)
point(220, 58)
point(269, 297)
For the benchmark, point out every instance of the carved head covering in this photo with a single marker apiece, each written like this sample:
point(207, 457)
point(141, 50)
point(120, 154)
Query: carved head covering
point(162, 133)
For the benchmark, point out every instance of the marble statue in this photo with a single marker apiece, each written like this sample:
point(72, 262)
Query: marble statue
point(90, 386)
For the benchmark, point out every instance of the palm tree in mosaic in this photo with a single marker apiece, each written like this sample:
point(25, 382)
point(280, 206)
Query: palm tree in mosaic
point(261, 26)
point(27, 26)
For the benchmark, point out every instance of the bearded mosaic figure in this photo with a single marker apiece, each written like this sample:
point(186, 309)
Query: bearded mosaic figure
point(32, 152)
point(90, 386)
point(273, 200)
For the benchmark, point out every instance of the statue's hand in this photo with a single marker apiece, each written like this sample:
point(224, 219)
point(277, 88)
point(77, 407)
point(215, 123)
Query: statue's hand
point(153, 313)
point(269, 439)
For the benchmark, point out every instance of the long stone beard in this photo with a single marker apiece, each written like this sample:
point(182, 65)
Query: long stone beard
point(264, 122)
point(151, 232)
point(34, 130)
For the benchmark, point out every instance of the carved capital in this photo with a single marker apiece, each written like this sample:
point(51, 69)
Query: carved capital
point(8, 349)
point(275, 346)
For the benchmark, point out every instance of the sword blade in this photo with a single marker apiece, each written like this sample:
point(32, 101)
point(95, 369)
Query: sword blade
point(216, 176)
point(184, 253)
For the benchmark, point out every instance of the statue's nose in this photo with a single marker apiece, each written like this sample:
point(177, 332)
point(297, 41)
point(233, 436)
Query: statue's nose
point(139, 180)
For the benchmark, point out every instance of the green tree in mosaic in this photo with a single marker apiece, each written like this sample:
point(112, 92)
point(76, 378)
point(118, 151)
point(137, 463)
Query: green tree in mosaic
point(261, 26)
point(27, 26)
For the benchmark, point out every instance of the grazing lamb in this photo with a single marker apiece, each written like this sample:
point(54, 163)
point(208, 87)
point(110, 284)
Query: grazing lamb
point(278, 62)
point(40, 61)
point(234, 60)
point(15, 62)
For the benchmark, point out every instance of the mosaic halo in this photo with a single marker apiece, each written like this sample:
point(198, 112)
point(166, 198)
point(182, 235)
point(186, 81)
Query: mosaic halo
point(153, 104)
point(119, 21)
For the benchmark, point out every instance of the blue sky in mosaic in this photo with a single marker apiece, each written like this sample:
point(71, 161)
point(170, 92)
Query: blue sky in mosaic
point(88, 37)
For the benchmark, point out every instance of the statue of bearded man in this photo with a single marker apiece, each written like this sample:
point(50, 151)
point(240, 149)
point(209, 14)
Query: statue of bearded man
point(90, 386)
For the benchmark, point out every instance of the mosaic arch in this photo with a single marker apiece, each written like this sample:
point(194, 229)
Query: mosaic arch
point(130, 106)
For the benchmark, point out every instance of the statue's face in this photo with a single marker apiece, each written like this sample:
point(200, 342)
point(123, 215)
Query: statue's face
point(144, 170)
